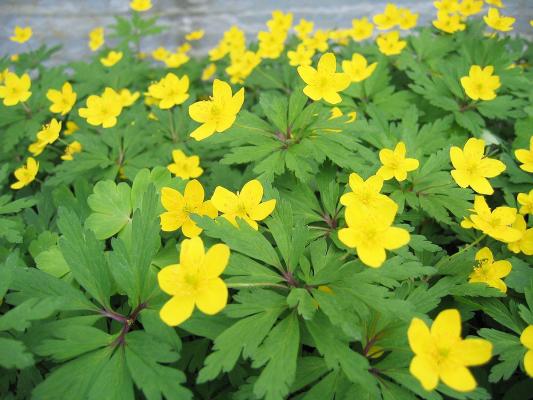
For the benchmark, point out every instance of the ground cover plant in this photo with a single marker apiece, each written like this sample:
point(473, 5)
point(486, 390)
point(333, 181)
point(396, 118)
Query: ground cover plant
point(306, 214)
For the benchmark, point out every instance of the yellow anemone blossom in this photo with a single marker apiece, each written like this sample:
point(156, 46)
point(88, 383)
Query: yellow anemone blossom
point(372, 234)
point(324, 82)
point(71, 127)
point(526, 202)
point(481, 84)
point(390, 43)
point(37, 148)
point(127, 98)
point(366, 195)
point(175, 60)
point(449, 23)
point(170, 90)
point(441, 353)
point(15, 89)
point(62, 100)
point(448, 6)
point(70, 150)
point(495, 223)
point(525, 243)
point(304, 28)
point(195, 35)
point(389, 19)
point(245, 204)
point(395, 164)
point(470, 7)
point(179, 208)
point(361, 29)
point(301, 56)
point(195, 281)
point(472, 168)
point(218, 113)
point(497, 21)
point(21, 35)
point(209, 71)
point(111, 58)
point(357, 68)
point(525, 156)
point(185, 167)
point(407, 19)
point(489, 271)
point(50, 132)
point(496, 3)
point(96, 38)
point(102, 110)
point(141, 5)
point(26, 174)
point(526, 338)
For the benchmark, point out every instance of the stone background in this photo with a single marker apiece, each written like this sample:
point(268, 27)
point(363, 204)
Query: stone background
point(68, 22)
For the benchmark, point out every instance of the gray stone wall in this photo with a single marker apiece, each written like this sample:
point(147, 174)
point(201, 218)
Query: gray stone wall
point(68, 22)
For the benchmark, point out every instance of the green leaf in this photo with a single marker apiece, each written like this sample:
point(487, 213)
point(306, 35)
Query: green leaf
point(111, 206)
point(278, 354)
point(14, 354)
point(85, 257)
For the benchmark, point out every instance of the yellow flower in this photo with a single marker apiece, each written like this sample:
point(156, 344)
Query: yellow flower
point(324, 82)
point(480, 84)
point(127, 98)
point(37, 148)
point(175, 60)
point(318, 41)
point(21, 35)
point(271, 44)
point(15, 89)
point(71, 127)
point(209, 71)
point(246, 204)
point(179, 208)
point(447, 6)
point(301, 56)
point(441, 353)
point(195, 281)
point(112, 58)
point(160, 54)
point(185, 167)
point(526, 338)
point(102, 110)
point(170, 90)
point(218, 113)
point(448, 23)
point(489, 271)
point(14, 57)
point(195, 35)
point(26, 174)
point(407, 19)
point(358, 69)
point(365, 195)
point(70, 150)
point(242, 65)
point(304, 28)
point(524, 156)
point(389, 19)
point(96, 38)
point(395, 165)
point(472, 168)
point(336, 112)
point(470, 7)
point(390, 43)
point(526, 201)
point(63, 100)
point(361, 29)
point(50, 132)
point(280, 21)
point(140, 5)
point(525, 243)
point(497, 223)
point(184, 48)
point(372, 234)
point(498, 22)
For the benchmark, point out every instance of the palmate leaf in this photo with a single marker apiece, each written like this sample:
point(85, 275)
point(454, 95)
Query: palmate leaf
point(278, 354)
point(245, 335)
point(14, 354)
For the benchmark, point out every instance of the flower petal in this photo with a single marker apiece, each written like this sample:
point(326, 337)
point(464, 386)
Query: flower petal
point(212, 297)
point(177, 310)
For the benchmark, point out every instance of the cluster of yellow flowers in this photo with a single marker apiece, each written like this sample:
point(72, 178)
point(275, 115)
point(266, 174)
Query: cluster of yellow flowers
point(370, 214)
point(452, 15)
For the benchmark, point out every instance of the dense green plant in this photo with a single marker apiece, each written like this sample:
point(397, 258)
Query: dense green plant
point(81, 245)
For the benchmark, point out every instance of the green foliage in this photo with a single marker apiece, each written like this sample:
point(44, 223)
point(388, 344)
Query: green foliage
point(81, 247)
